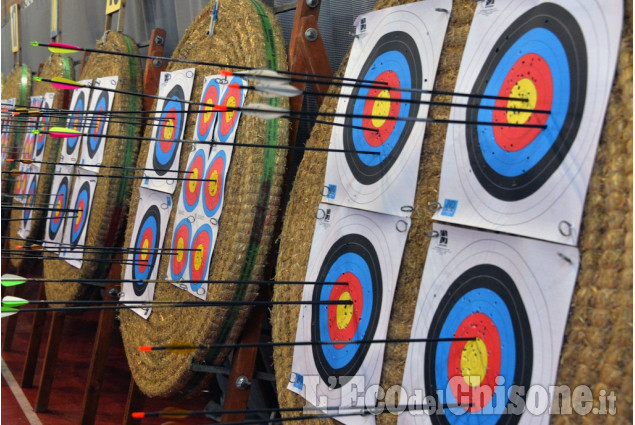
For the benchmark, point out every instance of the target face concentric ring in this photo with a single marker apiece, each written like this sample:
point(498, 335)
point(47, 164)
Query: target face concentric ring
point(192, 186)
point(541, 57)
point(352, 259)
point(30, 200)
point(82, 205)
point(180, 244)
point(164, 153)
point(205, 122)
point(57, 216)
point(213, 187)
point(97, 125)
point(200, 258)
point(482, 302)
point(147, 238)
point(76, 123)
point(394, 60)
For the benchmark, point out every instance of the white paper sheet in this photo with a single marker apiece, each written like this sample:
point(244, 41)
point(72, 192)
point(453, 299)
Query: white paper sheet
point(93, 146)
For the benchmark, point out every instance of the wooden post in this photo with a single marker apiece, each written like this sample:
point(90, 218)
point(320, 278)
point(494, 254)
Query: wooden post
point(50, 359)
point(243, 367)
point(134, 403)
point(33, 349)
point(153, 69)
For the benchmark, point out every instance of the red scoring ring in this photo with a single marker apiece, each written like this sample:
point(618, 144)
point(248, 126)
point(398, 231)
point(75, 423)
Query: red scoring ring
point(140, 262)
point(481, 326)
point(377, 139)
point(354, 288)
point(204, 239)
point(206, 119)
point(181, 235)
point(212, 201)
point(532, 67)
point(80, 215)
point(57, 214)
point(226, 126)
point(192, 195)
point(170, 118)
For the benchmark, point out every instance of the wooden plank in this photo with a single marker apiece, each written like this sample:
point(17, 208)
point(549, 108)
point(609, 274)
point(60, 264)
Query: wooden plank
point(243, 365)
point(50, 359)
point(153, 69)
point(134, 403)
point(100, 352)
point(35, 340)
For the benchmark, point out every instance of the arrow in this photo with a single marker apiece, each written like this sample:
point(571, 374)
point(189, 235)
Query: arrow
point(14, 280)
point(17, 172)
point(69, 48)
point(183, 347)
point(29, 161)
point(10, 311)
point(287, 90)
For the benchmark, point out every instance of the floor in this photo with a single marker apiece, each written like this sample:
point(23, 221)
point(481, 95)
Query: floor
point(71, 373)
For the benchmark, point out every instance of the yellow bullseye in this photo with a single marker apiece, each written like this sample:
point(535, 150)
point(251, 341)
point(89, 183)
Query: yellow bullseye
point(180, 245)
point(144, 252)
point(192, 183)
point(208, 115)
point(169, 128)
point(212, 188)
point(231, 103)
point(344, 311)
point(474, 362)
point(198, 256)
point(381, 108)
point(524, 89)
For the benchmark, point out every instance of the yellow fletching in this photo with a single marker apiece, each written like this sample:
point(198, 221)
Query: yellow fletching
point(175, 412)
point(61, 50)
point(180, 347)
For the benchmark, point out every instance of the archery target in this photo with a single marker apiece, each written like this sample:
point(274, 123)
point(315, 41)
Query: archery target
point(26, 223)
point(192, 185)
point(21, 182)
point(180, 244)
point(94, 145)
point(40, 140)
point(76, 226)
point(214, 186)
point(164, 154)
point(148, 235)
point(28, 145)
point(520, 179)
point(227, 122)
point(60, 193)
point(362, 249)
point(79, 102)
point(512, 296)
point(397, 47)
point(205, 121)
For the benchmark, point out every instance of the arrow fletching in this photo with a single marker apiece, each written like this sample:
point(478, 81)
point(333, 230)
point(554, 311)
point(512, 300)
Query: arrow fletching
point(263, 75)
point(63, 132)
point(62, 48)
point(175, 412)
point(175, 347)
point(11, 301)
point(7, 311)
point(276, 90)
point(264, 111)
point(11, 280)
point(64, 83)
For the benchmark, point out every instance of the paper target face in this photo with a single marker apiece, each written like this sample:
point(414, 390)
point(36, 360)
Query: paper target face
point(396, 47)
point(205, 122)
point(163, 155)
point(76, 226)
point(180, 244)
point(512, 296)
point(58, 201)
point(28, 146)
point(214, 187)
point(26, 223)
point(94, 145)
point(227, 122)
point(520, 179)
point(40, 140)
point(21, 183)
point(364, 250)
point(151, 220)
point(79, 102)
